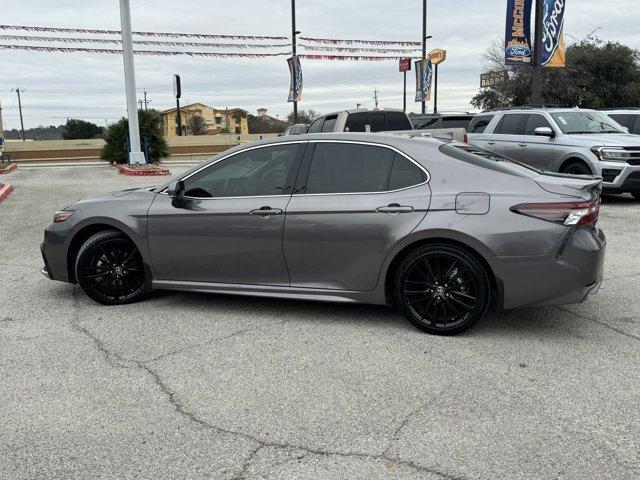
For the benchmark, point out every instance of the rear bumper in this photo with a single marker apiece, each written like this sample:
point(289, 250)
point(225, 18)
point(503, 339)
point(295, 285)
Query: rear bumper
point(573, 271)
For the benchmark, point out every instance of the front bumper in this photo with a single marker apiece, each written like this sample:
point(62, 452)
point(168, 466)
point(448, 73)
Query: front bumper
point(46, 270)
point(568, 275)
point(619, 177)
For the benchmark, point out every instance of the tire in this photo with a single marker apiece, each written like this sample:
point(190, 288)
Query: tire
point(636, 195)
point(110, 270)
point(442, 289)
point(577, 167)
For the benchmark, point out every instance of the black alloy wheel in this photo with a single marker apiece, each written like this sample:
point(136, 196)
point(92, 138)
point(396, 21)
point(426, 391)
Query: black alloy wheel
point(442, 289)
point(110, 270)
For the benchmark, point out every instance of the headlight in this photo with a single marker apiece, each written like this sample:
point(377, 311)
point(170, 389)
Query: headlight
point(62, 215)
point(614, 154)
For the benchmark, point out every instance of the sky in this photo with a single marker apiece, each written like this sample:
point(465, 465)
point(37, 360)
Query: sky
point(58, 86)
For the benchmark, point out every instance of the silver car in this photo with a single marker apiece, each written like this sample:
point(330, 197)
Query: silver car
point(440, 229)
point(566, 140)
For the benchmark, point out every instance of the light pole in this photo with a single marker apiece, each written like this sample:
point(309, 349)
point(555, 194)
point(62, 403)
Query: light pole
point(424, 43)
point(536, 78)
point(135, 155)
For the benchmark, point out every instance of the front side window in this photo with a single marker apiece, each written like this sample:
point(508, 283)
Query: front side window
point(626, 120)
point(586, 122)
point(533, 122)
point(316, 126)
point(257, 172)
point(349, 168)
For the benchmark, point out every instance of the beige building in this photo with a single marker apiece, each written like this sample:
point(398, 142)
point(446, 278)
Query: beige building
point(216, 120)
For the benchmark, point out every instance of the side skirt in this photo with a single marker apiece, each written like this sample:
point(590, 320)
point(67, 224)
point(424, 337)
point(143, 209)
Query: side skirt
point(295, 293)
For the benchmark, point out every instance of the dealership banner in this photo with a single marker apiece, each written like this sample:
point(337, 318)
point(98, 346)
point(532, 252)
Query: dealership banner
point(517, 41)
point(553, 47)
point(295, 87)
point(424, 77)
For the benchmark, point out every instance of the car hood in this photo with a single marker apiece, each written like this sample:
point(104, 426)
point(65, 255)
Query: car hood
point(608, 139)
point(128, 194)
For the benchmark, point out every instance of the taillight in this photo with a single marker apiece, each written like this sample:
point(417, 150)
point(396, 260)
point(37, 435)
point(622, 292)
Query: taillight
point(571, 214)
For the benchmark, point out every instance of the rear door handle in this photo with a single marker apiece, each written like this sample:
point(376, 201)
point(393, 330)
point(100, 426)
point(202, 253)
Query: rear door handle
point(395, 208)
point(491, 143)
point(523, 145)
point(266, 211)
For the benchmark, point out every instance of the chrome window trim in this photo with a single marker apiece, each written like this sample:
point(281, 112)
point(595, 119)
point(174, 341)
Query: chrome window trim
point(372, 144)
point(294, 142)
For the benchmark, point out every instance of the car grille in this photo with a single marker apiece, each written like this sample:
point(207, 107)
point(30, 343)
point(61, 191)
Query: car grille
point(635, 159)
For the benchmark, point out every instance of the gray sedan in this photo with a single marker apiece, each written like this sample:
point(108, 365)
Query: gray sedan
point(442, 230)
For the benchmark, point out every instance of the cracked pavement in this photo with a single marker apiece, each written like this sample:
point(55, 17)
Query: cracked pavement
point(221, 387)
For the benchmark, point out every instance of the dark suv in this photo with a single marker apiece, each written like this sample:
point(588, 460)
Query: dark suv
point(361, 120)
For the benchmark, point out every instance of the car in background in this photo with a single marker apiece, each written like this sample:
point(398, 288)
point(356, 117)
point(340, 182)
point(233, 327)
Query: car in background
point(297, 129)
point(627, 117)
point(361, 120)
point(565, 140)
point(441, 229)
point(441, 120)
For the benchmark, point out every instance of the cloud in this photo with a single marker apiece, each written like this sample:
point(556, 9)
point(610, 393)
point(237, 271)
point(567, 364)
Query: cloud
point(80, 85)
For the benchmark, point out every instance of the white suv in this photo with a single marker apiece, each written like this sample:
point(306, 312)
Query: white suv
point(575, 141)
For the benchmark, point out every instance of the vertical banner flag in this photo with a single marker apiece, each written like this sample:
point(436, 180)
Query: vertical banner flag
point(518, 33)
point(424, 77)
point(295, 87)
point(553, 48)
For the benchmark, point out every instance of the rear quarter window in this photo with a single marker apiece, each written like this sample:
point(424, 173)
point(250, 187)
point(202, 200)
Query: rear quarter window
point(479, 124)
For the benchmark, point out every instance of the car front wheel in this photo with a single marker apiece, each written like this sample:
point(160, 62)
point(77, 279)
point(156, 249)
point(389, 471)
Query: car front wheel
point(110, 270)
point(442, 289)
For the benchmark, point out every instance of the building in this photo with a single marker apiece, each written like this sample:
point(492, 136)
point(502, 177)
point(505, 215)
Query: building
point(268, 119)
point(216, 120)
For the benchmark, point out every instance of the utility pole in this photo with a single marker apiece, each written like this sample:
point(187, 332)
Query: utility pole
point(20, 110)
point(375, 99)
point(536, 78)
point(424, 43)
point(136, 156)
point(144, 102)
point(294, 34)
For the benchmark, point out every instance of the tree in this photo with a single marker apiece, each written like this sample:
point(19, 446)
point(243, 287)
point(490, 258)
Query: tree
point(81, 129)
point(117, 137)
point(258, 124)
point(196, 125)
point(598, 74)
point(304, 116)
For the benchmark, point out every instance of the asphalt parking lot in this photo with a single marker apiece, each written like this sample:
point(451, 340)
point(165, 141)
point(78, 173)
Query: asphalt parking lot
point(209, 386)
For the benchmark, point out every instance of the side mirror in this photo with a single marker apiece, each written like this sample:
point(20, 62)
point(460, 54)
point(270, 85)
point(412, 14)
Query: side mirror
point(544, 132)
point(176, 191)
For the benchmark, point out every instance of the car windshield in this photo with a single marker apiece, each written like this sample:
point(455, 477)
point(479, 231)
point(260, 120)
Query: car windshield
point(485, 159)
point(586, 122)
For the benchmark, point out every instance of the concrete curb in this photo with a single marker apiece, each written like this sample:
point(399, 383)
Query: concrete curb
point(10, 168)
point(157, 170)
point(5, 191)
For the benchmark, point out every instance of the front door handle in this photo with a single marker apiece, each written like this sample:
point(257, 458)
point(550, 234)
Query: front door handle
point(266, 211)
point(395, 208)
point(491, 143)
point(523, 145)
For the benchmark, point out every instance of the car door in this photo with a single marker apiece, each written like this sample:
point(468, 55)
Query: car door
point(352, 202)
point(506, 138)
point(538, 151)
point(230, 229)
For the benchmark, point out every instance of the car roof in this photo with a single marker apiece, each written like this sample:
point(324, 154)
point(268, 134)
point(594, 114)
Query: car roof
point(533, 110)
point(627, 110)
point(359, 110)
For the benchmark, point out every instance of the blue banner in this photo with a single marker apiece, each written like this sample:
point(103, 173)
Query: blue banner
point(295, 87)
point(424, 77)
point(553, 48)
point(517, 43)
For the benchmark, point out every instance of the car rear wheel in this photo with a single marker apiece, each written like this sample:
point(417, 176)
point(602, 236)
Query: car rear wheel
point(110, 270)
point(442, 289)
point(577, 168)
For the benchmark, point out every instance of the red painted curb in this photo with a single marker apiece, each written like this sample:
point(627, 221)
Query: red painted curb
point(5, 191)
point(133, 171)
point(10, 168)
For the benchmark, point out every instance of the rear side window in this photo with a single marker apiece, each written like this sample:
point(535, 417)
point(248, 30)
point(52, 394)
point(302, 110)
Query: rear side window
point(511, 124)
point(316, 126)
point(397, 121)
point(404, 174)
point(349, 168)
point(479, 124)
point(356, 122)
point(456, 122)
point(533, 122)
